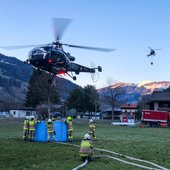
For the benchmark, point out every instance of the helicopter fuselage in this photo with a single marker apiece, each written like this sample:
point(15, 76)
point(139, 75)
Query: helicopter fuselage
point(49, 58)
point(152, 53)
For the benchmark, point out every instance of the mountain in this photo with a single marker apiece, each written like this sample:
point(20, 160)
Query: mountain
point(132, 93)
point(15, 74)
point(151, 86)
point(14, 77)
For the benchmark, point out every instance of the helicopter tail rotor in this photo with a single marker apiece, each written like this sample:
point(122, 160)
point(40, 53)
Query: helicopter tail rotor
point(95, 75)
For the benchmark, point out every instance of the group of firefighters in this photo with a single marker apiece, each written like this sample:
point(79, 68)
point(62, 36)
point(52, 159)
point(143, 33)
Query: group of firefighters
point(30, 123)
point(29, 128)
point(86, 147)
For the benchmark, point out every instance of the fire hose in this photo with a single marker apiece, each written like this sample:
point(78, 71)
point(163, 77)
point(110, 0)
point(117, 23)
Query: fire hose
point(158, 167)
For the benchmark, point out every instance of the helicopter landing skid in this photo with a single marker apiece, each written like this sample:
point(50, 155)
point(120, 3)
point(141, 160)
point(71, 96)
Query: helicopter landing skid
point(73, 77)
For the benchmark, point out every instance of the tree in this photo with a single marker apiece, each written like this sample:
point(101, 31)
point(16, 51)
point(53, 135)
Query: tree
point(40, 91)
point(91, 98)
point(84, 99)
point(113, 91)
point(76, 100)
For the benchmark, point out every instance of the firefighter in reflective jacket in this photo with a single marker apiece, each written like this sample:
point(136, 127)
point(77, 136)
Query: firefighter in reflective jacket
point(69, 129)
point(50, 129)
point(32, 123)
point(92, 129)
point(26, 128)
point(86, 148)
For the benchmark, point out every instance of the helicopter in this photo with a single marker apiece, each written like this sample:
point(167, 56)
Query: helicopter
point(152, 53)
point(53, 59)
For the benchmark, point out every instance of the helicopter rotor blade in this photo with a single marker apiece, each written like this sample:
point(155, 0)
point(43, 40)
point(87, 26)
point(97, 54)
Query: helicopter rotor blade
point(158, 49)
point(90, 48)
point(154, 48)
point(19, 47)
point(60, 25)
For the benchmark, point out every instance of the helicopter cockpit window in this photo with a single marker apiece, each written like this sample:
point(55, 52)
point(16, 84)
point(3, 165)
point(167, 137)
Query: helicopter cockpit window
point(55, 54)
point(37, 53)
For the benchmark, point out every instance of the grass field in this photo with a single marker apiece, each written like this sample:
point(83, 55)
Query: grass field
point(151, 144)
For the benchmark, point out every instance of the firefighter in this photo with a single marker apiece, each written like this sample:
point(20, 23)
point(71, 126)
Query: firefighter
point(26, 128)
point(32, 123)
point(86, 148)
point(50, 130)
point(69, 128)
point(92, 129)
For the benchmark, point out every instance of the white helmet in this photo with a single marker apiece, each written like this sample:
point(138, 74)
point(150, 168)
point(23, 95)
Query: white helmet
point(27, 117)
point(91, 121)
point(31, 117)
point(49, 121)
point(87, 137)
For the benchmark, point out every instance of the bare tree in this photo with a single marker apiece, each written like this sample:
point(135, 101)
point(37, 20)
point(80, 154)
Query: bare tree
point(113, 93)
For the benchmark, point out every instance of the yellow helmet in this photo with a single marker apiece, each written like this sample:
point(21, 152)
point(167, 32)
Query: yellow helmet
point(69, 118)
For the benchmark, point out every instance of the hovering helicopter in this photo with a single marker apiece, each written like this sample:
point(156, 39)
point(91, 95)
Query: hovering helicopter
point(152, 53)
point(52, 57)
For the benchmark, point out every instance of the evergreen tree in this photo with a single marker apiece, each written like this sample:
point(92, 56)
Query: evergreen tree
point(40, 91)
point(83, 99)
point(76, 100)
point(91, 97)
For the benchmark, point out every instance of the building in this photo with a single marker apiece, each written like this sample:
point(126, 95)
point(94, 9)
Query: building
point(128, 112)
point(22, 113)
point(107, 113)
point(129, 108)
point(160, 100)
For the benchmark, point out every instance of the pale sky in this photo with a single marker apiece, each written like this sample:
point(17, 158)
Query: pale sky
point(129, 26)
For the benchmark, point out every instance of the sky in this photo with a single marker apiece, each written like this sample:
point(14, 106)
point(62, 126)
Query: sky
point(129, 26)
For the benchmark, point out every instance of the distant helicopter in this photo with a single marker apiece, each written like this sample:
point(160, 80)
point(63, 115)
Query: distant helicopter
point(152, 53)
point(52, 57)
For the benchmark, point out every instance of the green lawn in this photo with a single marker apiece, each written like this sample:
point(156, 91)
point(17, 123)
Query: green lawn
point(151, 144)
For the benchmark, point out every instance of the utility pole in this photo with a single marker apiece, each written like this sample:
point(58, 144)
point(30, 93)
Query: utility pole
point(48, 106)
point(48, 100)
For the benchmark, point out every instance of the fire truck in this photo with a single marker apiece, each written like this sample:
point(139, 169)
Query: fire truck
point(155, 118)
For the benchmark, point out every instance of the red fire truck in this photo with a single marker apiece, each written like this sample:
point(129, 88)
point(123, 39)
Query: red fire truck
point(155, 118)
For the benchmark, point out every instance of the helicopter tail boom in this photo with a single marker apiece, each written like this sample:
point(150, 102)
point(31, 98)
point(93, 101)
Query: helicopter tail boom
point(79, 68)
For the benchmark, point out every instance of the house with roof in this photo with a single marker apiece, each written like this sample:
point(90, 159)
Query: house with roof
point(160, 100)
point(22, 113)
point(129, 108)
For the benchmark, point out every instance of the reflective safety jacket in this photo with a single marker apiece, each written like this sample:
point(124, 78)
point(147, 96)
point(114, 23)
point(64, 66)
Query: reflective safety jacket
point(26, 124)
point(50, 127)
point(92, 128)
point(32, 125)
point(86, 148)
point(69, 125)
